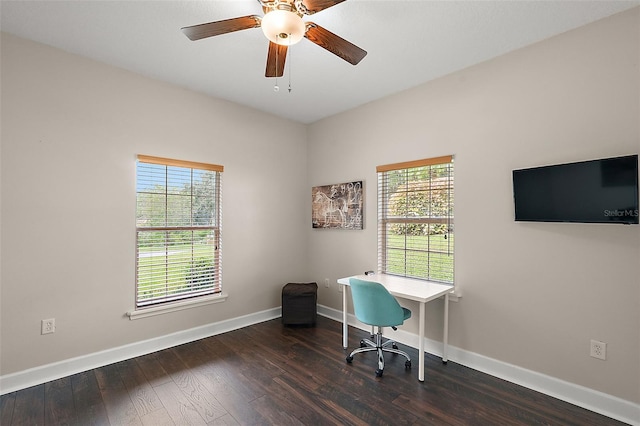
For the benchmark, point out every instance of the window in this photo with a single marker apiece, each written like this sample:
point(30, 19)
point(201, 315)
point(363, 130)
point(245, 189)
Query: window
point(415, 219)
point(178, 241)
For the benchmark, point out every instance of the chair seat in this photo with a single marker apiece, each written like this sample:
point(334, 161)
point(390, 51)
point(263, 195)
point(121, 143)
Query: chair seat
point(407, 313)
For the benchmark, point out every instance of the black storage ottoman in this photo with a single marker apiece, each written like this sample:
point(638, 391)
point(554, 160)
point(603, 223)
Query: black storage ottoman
point(299, 303)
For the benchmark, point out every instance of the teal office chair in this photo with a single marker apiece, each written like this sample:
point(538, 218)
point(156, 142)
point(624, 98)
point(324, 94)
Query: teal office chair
point(375, 306)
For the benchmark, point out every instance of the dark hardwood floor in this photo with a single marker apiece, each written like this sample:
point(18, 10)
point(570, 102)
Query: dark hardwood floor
point(274, 375)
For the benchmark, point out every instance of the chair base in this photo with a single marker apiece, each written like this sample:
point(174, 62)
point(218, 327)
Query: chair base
point(379, 346)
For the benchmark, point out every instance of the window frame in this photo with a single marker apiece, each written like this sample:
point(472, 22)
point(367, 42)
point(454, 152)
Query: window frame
point(207, 277)
point(403, 257)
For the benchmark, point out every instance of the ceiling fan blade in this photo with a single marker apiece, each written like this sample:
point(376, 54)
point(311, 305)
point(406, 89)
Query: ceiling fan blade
point(211, 29)
point(275, 60)
point(314, 6)
point(334, 44)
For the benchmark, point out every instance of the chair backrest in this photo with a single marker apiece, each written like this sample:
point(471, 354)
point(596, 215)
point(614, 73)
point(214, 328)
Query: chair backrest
point(374, 305)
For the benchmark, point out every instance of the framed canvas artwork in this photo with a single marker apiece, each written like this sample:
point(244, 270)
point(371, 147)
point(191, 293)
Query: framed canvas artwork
point(337, 206)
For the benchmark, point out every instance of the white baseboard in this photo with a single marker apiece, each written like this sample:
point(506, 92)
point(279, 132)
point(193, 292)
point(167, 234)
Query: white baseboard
point(46, 373)
point(610, 406)
point(607, 405)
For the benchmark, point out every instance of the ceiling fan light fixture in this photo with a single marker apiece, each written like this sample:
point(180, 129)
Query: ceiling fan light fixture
point(283, 27)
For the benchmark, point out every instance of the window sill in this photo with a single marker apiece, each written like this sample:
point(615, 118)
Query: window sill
point(178, 306)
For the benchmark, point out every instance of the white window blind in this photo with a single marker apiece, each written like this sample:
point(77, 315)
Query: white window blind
point(415, 219)
point(178, 230)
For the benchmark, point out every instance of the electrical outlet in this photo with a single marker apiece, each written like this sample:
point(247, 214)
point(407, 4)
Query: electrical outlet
point(598, 349)
point(48, 326)
point(326, 282)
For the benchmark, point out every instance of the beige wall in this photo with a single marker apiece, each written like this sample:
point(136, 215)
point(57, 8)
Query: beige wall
point(534, 294)
point(71, 129)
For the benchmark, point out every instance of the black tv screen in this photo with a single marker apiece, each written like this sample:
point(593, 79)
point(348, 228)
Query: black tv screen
point(596, 191)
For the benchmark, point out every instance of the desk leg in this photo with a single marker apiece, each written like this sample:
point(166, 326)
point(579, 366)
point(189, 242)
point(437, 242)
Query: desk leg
point(445, 335)
point(345, 325)
point(421, 344)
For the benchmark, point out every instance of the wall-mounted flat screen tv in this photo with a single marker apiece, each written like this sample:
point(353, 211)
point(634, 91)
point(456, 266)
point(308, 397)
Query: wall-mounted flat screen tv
point(596, 191)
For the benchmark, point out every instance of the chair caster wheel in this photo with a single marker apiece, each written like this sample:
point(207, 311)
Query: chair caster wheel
point(362, 344)
point(407, 365)
point(394, 346)
point(349, 359)
point(379, 373)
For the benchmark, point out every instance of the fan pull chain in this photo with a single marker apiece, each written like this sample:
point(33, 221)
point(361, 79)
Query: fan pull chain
point(276, 87)
point(289, 52)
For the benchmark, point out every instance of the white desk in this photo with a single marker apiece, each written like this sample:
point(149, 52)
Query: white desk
point(405, 288)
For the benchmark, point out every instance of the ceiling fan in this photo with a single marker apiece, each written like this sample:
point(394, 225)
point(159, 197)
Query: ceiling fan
point(282, 24)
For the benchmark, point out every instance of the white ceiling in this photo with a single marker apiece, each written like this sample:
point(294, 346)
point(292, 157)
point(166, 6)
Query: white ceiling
point(408, 43)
